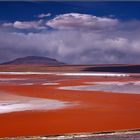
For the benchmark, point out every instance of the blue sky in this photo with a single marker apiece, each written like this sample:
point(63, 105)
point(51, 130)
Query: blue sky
point(10, 11)
point(72, 32)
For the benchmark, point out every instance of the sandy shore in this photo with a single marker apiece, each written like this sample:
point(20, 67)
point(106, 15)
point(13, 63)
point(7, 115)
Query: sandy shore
point(113, 135)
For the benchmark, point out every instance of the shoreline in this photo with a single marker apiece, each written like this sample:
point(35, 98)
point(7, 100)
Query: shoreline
point(113, 134)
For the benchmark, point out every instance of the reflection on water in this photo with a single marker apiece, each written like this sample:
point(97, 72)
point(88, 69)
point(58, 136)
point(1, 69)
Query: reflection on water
point(117, 87)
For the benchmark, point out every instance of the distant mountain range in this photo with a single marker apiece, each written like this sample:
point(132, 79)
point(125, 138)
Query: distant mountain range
point(33, 60)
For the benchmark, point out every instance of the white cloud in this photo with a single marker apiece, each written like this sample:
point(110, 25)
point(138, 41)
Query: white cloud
point(79, 38)
point(81, 21)
point(44, 15)
point(26, 25)
point(68, 21)
point(7, 24)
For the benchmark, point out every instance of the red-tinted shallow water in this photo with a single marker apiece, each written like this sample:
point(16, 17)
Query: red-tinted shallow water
point(76, 111)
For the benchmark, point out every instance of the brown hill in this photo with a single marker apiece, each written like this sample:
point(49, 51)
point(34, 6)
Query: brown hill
point(35, 60)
